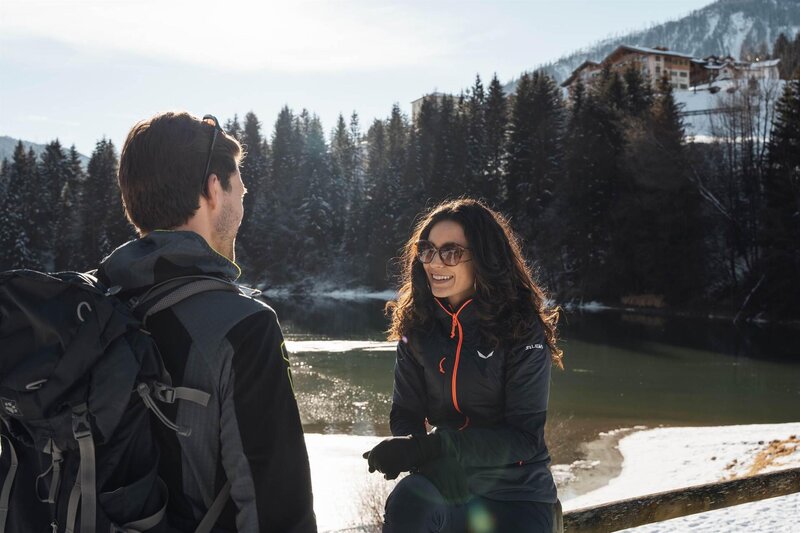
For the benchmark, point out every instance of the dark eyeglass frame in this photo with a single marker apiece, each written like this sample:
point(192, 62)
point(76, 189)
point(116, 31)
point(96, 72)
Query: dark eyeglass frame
point(450, 253)
point(212, 121)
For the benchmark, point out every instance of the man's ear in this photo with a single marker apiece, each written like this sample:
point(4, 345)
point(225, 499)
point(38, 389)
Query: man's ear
point(214, 196)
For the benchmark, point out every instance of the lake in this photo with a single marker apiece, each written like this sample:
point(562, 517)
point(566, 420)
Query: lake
point(621, 369)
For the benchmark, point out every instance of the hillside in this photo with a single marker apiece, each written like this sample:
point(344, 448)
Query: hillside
point(733, 27)
point(8, 144)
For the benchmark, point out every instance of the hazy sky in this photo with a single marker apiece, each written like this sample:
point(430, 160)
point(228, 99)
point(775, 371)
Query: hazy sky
point(79, 70)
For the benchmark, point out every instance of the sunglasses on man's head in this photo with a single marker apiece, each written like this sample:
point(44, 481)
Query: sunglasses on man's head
point(450, 253)
point(212, 121)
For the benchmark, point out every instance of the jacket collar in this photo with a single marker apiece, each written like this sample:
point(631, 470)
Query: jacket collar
point(467, 314)
point(163, 255)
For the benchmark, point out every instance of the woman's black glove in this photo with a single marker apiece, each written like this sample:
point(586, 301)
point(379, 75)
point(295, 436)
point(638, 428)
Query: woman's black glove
point(401, 454)
point(449, 477)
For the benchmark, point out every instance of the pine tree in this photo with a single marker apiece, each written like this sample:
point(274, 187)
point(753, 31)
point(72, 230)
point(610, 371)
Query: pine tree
point(72, 216)
point(535, 150)
point(282, 205)
point(5, 176)
point(254, 239)
point(109, 230)
point(444, 182)
point(660, 224)
point(51, 177)
point(403, 203)
point(343, 176)
point(780, 235)
point(15, 248)
point(357, 205)
point(638, 92)
point(428, 130)
point(476, 160)
point(343, 151)
point(610, 88)
point(593, 177)
point(317, 230)
point(376, 224)
point(233, 128)
point(496, 119)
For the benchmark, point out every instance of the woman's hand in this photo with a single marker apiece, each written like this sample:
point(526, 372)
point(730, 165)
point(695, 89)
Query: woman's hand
point(401, 454)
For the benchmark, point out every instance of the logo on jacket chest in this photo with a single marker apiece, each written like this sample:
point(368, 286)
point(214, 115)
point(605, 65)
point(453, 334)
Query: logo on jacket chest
point(487, 356)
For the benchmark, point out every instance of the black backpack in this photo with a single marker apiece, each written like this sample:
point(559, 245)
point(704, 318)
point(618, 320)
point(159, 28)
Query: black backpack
point(78, 374)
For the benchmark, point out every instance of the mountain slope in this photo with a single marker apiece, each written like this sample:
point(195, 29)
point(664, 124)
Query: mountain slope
point(725, 27)
point(8, 144)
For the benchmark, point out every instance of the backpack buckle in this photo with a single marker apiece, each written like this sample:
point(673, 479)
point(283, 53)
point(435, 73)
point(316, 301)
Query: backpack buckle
point(163, 393)
point(81, 427)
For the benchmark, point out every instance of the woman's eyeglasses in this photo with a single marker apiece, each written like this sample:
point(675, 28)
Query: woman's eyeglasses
point(214, 123)
point(450, 253)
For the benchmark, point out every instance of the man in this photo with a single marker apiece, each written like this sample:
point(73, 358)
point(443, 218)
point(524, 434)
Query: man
point(182, 190)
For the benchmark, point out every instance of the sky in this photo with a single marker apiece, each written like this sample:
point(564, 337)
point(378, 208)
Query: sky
point(81, 70)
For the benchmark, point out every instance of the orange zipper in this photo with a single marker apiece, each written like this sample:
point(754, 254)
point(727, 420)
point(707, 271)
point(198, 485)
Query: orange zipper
point(456, 326)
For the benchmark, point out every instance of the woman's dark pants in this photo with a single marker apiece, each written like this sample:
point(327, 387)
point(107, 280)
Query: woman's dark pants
point(415, 505)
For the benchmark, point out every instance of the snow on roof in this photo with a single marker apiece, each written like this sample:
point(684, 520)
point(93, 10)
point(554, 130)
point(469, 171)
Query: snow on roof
point(645, 50)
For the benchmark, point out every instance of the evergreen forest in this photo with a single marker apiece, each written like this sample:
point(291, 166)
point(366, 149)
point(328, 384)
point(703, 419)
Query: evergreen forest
point(612, 200)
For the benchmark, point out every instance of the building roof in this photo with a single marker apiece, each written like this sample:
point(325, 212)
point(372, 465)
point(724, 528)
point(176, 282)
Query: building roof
point(435, 94)
point(645, 50)
point(578, 70)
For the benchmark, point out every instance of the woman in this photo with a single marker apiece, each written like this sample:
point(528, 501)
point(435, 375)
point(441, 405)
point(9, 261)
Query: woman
point(476, 345)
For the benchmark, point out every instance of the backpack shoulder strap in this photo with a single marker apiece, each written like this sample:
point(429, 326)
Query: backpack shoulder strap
point(214, 512)
point(187, 290)
point(5, 494)
point(170, 292)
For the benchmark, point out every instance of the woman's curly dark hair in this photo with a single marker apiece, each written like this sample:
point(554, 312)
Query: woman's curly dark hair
point(509, 302)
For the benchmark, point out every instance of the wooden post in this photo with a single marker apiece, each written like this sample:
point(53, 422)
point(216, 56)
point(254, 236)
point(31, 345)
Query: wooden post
point(682, 502)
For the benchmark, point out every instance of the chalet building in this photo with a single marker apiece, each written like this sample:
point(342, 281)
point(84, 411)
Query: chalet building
point(714, 68)
point(653, 63)
point(586, 72)
point(682, 70)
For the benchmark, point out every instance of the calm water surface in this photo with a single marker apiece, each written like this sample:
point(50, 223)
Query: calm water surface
point(620, 370)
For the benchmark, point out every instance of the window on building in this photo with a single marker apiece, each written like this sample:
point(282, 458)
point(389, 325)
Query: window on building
point(658, 58)
point(683, 86)
point(683, 74)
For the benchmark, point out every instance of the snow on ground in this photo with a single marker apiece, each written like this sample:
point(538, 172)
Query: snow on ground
point(589, 307)
point(654, 460)
point(700, 103)
point(332, 293)
point(344, 491)
point(339, 346)
point(663, 459)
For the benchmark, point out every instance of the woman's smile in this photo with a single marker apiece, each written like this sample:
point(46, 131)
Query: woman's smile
point(440, 279)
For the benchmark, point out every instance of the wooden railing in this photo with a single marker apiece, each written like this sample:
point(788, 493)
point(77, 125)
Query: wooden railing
point(682, 502)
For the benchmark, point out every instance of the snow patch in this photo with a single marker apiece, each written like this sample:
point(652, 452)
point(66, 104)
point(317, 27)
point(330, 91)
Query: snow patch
point(339, 346)
point(664, 459)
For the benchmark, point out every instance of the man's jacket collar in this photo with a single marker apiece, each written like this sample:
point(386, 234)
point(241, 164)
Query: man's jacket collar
point(163, 255)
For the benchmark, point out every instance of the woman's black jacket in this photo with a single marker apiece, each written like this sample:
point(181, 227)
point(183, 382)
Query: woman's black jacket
point(488, 404)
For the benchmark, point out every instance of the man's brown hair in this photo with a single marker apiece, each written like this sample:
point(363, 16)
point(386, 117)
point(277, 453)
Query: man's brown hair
point(161, 168)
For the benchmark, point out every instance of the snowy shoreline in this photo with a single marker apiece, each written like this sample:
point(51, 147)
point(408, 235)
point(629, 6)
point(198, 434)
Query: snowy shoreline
point(638, 462)
point(361, 294)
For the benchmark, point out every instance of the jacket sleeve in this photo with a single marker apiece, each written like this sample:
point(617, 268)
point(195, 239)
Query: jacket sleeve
point(521, 436)
point(263, 450)
point(408, 397)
